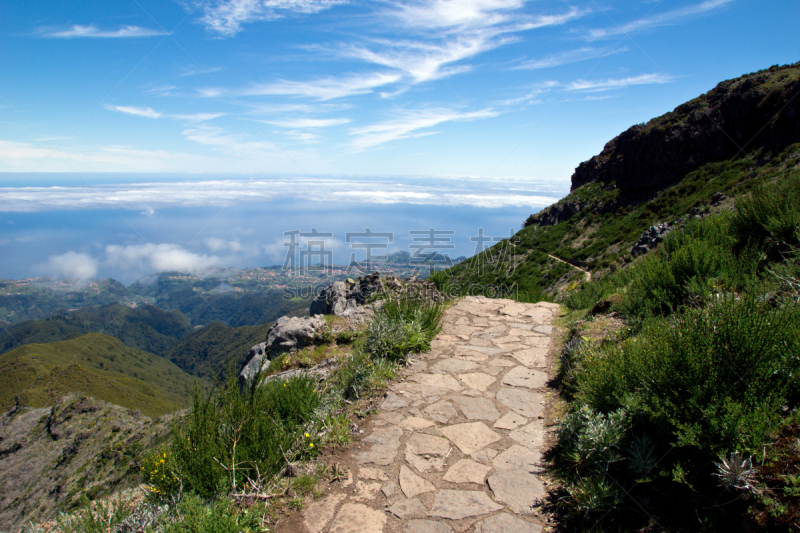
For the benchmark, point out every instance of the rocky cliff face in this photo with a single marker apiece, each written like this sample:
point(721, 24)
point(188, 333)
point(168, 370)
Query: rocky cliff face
point(759, 110)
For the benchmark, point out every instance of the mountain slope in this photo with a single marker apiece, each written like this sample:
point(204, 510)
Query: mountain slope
point(652, 173)
point(205, 353)
point(96, 365)
point(146, 327)
point(50, 457)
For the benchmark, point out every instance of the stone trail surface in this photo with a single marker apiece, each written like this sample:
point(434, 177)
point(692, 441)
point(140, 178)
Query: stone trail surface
point(456, 446)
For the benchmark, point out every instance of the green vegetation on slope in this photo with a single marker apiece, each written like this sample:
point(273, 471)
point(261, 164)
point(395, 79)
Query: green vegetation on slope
point(208, 351)
point(146, 327)
point(96, 365)
point(683, 409)
point(602, 239)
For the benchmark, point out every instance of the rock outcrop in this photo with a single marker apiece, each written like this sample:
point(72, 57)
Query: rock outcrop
point(286, 335)
point(759, 110)
point(343, 296)
point(553, 214)
point(650, 239)
point(348, 298)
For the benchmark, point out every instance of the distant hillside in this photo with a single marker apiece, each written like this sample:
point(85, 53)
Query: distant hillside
point(146, 327)
point(96, 365)
point(50, 457)
point(231, 308)
point(30, 299)
point(207, 351)
point(744, 132)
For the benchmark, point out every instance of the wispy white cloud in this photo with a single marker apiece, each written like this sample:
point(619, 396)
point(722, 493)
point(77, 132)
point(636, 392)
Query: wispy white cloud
point(229, 143)
point(449, 14)
point(322, 88)
point(226, 17)
point(451, 32)
point(566, 57)
point(604, 85)
point(149, 113)
point(198, 117)
point(91, 30)
point(532, 95)
point(304, 123)
point(138, 111)
point(661, 19)
point(409, 124)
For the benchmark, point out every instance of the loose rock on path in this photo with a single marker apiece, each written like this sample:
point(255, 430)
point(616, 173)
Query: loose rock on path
point(456, 446)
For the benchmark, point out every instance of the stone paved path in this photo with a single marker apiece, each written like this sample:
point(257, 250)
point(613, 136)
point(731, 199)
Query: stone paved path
point(456, 446)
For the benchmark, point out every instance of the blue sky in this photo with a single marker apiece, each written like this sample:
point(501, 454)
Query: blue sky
point(455, 94)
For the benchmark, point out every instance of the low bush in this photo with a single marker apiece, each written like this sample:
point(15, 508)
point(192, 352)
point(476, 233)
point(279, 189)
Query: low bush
point(401, 327)
point(230, 437)
point(769, 220)
point(195, 516)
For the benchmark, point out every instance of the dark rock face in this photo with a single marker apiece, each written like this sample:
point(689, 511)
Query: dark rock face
point(650, 238)
point(717, 198)
point(757, 110)
point(342, 296)
point(553, 214)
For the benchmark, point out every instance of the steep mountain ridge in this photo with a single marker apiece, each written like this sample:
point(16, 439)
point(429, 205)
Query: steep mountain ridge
point(664, 171)
point(752, 111)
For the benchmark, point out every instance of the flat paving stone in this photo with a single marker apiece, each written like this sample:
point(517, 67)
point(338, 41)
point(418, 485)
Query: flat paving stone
point(506, 523)
point(358, 518)
point(470, 437)
point(517, 459)
point(393, 402)
point(427, 526)
point(467, 471)
point(442, 381)
point(510, 420)
point(416, 423)
point(458, 504)
point(454, 366)
point(520, 401)
point(477, 408)
point(531, 357)
point(522, 376)
point(427, 453)
point(441, 411)
point(531, 435)
point(485, 455)
point(365, 491)
point(318, 514)
point(477, 380)
point(520, 490)
point(384, 443)
point(412, 484)
point(407, 509)
point(391, 490)
point(374, 474)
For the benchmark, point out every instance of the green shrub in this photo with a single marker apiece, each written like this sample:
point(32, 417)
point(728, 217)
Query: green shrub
point(229, 437)
point(717, 377)
point(769, 220)
point(95, 517)
point(401, 327)
point(194, 516)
